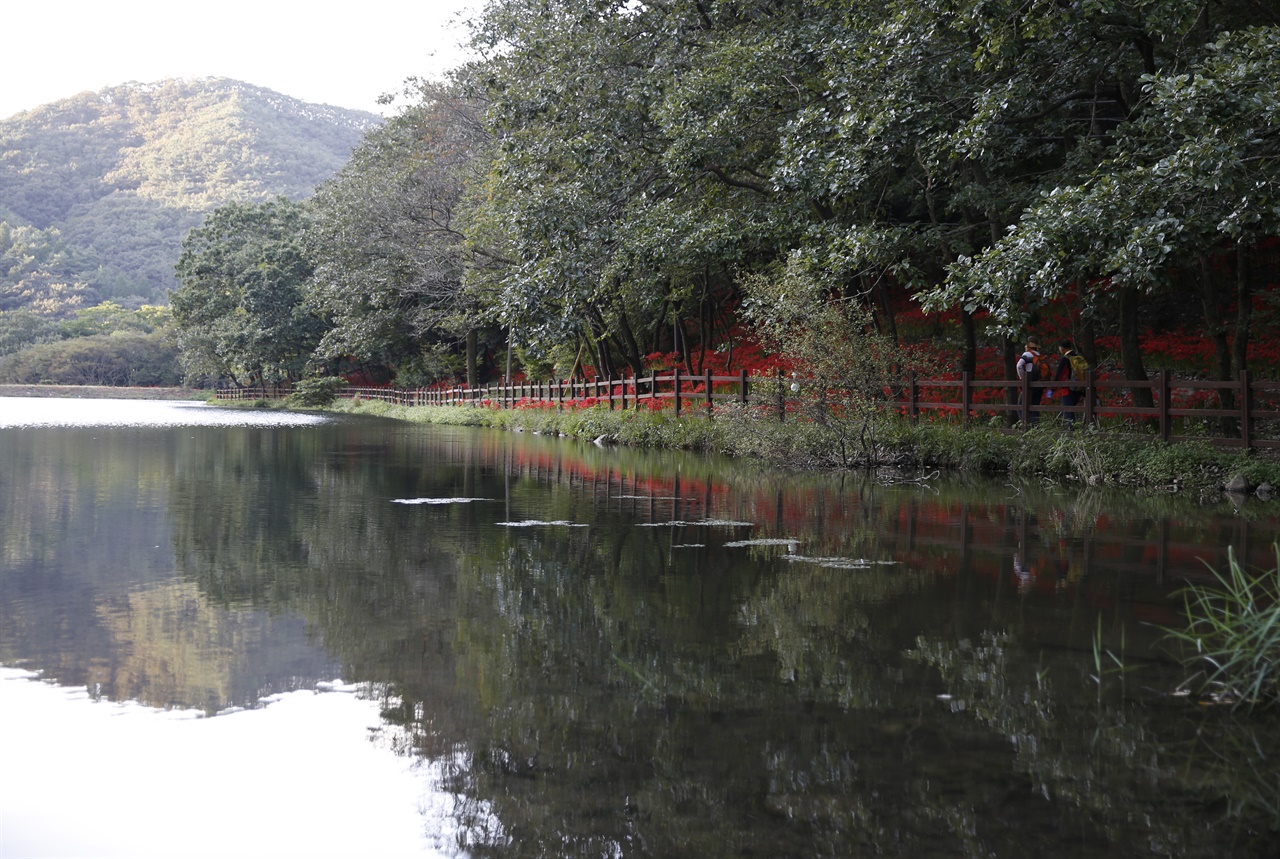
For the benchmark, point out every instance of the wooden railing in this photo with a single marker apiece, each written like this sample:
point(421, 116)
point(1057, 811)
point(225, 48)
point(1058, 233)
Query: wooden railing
point(1110, 401)
point(681, 390)
point(1254, 418)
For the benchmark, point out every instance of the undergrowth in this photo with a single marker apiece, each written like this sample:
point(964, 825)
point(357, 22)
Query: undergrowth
point(1046, 451)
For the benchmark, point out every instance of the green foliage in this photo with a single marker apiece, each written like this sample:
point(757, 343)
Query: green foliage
point(38, 272)
point(1234, 630)
point(123, 358)
point(91, 347)
point(986, 155)
point(387, 240)
point(22, 328)
point(109, 317)
point(983, 450)
point(846, 368)
point(1196, 170)
point(240, 312)
point(317, 392)
point(631, 174)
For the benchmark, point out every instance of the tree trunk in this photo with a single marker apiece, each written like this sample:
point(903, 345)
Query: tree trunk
point(1214, 323)
point(1086, 344)
point(659, 327)
point(1010, 355)
point(473, 339)
point(969, 357)
point(1244, 306)
point(1216, 327)
point(604, 361)
point(626, 341)
point(1130, 347)
point(885, 319)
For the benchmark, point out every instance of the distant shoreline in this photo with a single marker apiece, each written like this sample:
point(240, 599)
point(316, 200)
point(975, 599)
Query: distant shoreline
point(102, 392)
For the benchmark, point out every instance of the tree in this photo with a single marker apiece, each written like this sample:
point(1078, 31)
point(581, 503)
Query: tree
point(388, 238)
point(240, 311)
point(123, 358)
point(631, 172)
point(1180, 200)
point(24, 327)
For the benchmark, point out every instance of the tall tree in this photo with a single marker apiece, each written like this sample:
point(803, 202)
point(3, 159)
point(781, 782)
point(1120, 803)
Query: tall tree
point(388, 237)
point(240, 312)
point(632, 168)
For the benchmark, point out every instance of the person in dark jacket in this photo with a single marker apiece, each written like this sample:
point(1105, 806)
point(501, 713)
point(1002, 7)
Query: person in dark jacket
point(1067, 372)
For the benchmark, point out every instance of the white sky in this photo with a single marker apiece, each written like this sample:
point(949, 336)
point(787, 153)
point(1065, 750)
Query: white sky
point(344, 54)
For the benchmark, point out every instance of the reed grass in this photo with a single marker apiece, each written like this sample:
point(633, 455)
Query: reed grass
point(1234, 630)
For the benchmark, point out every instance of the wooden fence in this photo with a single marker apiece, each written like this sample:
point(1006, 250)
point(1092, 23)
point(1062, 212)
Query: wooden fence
point(1182, 408)
point(1178, 404)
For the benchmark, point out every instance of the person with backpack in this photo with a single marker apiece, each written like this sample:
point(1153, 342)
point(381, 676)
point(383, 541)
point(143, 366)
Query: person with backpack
point(1072, 367)
point(1033, 367)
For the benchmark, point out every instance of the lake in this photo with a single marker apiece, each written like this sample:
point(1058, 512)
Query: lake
point(252, 633)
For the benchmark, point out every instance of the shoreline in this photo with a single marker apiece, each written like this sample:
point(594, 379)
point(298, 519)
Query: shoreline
point(102, 392)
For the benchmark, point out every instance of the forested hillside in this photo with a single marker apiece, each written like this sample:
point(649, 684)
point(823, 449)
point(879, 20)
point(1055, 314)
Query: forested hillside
point(97, 191)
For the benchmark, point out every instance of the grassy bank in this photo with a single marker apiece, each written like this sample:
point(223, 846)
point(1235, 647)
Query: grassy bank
point(1047, 452)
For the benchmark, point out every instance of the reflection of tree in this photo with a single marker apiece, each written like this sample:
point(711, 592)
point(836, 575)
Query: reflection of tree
point(808, 618)
point(87, 588)
point(617, 690)
point(168, 647)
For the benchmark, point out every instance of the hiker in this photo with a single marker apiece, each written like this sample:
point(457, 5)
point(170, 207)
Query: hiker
point(1034, 367)
point(1072, 366)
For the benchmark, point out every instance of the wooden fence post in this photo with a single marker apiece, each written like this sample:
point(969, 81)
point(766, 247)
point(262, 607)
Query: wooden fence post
point(1163, 383)
point(966, 397)
point(676, 380)
point(913, 398)
point(743, 385)
point(1246, 403)
point(1090, 396)
point(1025, 412)
point(710, 398)
point(782, 396)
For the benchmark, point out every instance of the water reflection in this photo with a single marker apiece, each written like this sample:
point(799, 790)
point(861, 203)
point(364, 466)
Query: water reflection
point(306, 775)
point(673, 656)
point(30, 413)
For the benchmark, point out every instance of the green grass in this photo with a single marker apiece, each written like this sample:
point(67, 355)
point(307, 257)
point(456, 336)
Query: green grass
point(1233, 634)
point(1045, 452)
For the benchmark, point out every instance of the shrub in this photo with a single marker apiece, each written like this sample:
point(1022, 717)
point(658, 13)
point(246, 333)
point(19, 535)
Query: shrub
point(316, 393)
point(851, 368)
point(125, 358)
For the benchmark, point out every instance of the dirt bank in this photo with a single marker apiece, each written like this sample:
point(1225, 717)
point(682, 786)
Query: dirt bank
point(103, 392)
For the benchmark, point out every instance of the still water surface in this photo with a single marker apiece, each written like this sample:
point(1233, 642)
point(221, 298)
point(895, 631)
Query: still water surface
point(228, 632)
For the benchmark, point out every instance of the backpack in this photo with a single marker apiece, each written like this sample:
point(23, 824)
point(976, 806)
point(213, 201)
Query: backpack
point(1079, 366)
point(1036, 367)
point(1043, 369)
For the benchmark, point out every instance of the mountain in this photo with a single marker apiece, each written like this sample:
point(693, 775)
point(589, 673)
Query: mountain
point(98, 190)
